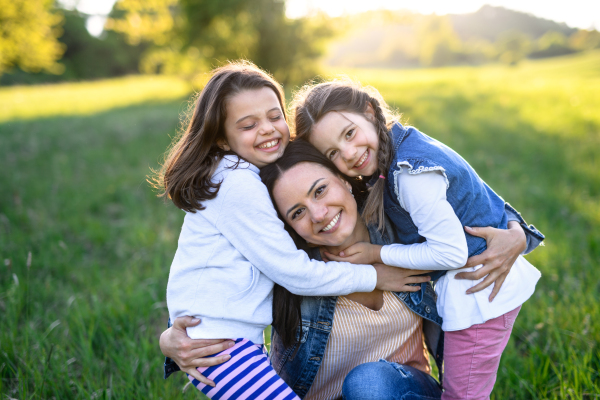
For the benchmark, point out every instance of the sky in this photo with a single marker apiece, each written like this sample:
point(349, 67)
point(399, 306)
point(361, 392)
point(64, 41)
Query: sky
point(575, 13)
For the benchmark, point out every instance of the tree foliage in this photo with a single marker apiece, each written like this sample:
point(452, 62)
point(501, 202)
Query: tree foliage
point(28, 36)
point(191, 36)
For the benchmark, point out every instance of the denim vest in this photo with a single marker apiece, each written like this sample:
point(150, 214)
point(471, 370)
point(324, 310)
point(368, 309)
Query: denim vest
point(473, 201)
point(298, 364)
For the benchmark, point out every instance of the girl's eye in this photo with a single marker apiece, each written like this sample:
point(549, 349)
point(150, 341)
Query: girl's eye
point(247, 128)
point(349, 134)
point(332, 154)
point(297, 213)
point(320, 190)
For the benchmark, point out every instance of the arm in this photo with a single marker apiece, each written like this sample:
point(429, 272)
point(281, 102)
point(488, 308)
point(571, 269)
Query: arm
point(423, 196)
point(188, 353)
point(249, 222)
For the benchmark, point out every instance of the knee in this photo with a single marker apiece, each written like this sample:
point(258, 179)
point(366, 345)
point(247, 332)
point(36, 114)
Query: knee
point(374, 380)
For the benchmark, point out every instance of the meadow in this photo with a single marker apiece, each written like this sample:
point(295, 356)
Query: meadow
point(85, 244)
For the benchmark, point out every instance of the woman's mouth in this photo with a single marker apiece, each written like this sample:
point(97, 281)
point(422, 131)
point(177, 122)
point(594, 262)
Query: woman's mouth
point(271, 145)
point(333, 224)
point(363, 160)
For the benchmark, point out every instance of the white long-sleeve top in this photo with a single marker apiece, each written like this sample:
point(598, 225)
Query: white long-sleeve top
point(230, 254)
point(423, 196)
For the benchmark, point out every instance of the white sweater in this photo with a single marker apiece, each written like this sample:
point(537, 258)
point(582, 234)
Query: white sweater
point(423, 196)
point(230, 254)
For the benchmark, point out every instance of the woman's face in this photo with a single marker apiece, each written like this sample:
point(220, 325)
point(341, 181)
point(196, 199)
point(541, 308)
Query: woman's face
point(255, 127)
point(349, 140)
point(317, 204)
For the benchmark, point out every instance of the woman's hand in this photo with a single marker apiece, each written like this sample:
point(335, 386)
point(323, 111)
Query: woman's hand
point(188, 353)
point(359, 253)
point(503, 248)
point(394, 279)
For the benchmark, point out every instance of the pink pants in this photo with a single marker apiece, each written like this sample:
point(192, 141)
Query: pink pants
point(472, 357)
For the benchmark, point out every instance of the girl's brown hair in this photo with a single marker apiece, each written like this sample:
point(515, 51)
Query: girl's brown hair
point(313, 102)
point(191, 161)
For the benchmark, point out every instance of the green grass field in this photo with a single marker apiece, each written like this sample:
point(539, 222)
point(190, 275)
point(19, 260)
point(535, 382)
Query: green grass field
point(85, 246)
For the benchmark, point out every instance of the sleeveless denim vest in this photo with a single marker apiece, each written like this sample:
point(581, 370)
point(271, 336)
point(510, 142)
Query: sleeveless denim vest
point(298, 364)
point(473, 201)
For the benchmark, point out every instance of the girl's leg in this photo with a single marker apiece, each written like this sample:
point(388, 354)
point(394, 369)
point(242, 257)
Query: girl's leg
point(247, 375)
point(472, 357)
point(384, 380)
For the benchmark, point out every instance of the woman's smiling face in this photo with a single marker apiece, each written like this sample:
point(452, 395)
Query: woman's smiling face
point(317, 204)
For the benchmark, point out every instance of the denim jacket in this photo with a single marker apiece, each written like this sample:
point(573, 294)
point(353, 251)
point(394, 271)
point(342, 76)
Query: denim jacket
point(473, 201)
point(298, 364)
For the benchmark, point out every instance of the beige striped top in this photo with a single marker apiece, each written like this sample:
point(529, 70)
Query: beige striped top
point(361, 335)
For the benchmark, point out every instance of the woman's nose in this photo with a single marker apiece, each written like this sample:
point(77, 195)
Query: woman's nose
point(318, 213)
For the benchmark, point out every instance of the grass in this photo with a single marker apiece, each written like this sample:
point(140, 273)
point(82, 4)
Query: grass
point(85, 246)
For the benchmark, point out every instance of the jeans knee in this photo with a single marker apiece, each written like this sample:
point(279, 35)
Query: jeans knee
point(374, 380)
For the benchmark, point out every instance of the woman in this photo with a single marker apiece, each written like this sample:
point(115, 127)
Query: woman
point(302, 352)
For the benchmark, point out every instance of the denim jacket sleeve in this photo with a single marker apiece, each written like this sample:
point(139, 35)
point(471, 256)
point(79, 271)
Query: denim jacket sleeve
point(170, 366)
point(534, 237)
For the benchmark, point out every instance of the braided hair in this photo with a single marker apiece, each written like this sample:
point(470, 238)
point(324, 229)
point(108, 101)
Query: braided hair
point(312, 102)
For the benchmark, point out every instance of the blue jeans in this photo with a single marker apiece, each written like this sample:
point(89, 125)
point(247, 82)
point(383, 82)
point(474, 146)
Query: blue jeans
point(384, 380)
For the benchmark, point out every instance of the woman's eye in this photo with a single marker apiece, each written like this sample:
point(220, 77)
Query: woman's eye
point(349, 134)
point(332, 154)
point(276, 118)
point(297, 213)
point(320, 190)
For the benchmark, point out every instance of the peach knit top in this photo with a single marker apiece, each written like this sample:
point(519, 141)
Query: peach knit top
point(361, 335)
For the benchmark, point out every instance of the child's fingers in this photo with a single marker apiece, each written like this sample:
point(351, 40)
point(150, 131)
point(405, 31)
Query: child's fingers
point(333, 257)
point(351, 250)
point(198, 376)
point(408, 288)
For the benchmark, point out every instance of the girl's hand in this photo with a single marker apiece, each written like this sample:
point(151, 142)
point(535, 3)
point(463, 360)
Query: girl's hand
point(503, 248)
point(188, 353)
point(359, 253)
point(394, 279)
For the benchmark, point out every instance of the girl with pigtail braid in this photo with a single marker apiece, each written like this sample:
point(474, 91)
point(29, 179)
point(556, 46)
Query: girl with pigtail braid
point(433, 198)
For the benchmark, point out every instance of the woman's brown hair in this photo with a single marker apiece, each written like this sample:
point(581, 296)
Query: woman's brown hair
point(313, 102)
point(191, 161)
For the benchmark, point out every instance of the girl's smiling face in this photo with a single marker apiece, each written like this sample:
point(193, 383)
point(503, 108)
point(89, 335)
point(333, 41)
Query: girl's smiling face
point(349, 140)
point(317, 204)
point(255, 127)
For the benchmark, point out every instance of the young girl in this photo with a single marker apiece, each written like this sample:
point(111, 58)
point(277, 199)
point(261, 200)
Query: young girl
point(429, 193)
point(232, 246)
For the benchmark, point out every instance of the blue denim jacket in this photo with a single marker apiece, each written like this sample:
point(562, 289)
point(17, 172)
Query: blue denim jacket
point(298, 364)
point(473, 201)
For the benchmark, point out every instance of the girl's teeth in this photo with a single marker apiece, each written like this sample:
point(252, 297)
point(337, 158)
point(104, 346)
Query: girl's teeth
point(362, 159)
point(268, 145)
point(332, 223)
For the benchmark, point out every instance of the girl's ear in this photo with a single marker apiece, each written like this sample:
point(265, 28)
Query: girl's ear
point(369, 112)
point(223, 144)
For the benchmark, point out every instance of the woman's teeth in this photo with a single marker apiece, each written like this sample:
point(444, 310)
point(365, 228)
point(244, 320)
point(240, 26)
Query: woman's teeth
point(268, 145)
point(362, 159)
point(332, 223)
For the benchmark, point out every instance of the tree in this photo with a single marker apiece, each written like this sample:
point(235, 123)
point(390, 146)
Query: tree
point(191, 36)
point(28, 36)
